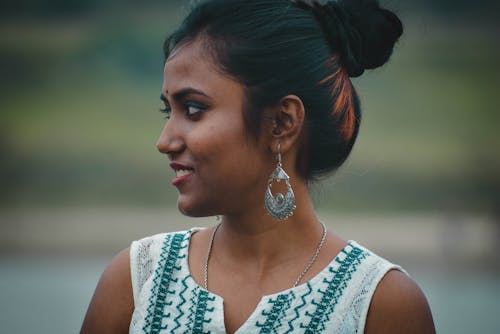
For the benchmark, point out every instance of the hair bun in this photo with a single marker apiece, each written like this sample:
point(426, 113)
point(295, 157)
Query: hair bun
point(360, 30)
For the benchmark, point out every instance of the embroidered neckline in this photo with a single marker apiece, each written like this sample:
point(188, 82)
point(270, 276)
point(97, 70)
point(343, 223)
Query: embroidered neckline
point(269, 311)
point(330, 267)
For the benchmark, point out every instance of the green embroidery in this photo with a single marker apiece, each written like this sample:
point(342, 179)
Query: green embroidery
point(296, 309)
point(280, 304)
point(161, 283)
point(192, 303)
point(161, 263)
point(334, 290)
point(201, 309)
point(179, 305)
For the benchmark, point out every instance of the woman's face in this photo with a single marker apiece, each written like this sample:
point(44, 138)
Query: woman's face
point(219, 168)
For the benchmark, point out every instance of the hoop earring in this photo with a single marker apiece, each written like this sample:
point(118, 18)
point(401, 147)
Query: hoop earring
point(279, 206)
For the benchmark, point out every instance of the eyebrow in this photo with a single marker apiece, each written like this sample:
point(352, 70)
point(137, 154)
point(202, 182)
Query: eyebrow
point(183, 93)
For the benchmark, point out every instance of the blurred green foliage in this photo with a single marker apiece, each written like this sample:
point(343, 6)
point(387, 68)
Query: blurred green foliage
point(80, 85)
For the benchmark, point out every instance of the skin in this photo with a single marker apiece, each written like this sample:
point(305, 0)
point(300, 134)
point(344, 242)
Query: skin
point(230, 174)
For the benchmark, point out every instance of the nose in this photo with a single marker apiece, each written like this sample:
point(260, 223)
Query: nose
point(170, 140)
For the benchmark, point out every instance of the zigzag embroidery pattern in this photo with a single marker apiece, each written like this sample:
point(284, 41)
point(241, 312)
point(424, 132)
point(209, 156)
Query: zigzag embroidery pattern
point(296, 309)
point(163, 287)
point(159, 269)
point(334, 290)
point(179, 305)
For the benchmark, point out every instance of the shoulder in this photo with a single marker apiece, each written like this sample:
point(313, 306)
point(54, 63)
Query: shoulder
point(112, 304)
point(151, 247)
point(148, 252)
point(398, 306)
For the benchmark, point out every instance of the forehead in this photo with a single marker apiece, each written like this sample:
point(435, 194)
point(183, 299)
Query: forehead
point(191, 66)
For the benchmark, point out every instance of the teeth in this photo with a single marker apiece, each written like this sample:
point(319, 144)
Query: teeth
point(183, 172)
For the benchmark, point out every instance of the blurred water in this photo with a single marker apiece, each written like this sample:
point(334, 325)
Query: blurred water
point(46, 296)
point(461, 301)
point(51, 296)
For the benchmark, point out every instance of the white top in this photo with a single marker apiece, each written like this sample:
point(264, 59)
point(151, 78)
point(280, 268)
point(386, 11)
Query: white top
point(168, 300)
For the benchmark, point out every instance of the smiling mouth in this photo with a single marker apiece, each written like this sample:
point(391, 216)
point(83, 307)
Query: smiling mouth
point(183, 172)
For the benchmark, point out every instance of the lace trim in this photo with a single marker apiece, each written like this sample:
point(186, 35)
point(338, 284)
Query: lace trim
point(352, 313)
point(144, 257)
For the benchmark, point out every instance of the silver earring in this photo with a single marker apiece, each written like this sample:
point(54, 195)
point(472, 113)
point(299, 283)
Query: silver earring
point(279, 206)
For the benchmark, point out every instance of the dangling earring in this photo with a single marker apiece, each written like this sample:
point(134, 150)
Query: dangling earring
point(279, 206)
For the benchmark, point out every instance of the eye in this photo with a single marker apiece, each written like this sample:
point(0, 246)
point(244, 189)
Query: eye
point(166, 110)
point(194, 109)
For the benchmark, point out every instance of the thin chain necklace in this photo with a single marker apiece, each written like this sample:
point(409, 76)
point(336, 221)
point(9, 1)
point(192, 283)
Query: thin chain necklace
point(297, 281)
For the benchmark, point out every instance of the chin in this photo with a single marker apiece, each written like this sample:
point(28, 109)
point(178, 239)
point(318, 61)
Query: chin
point(191, 209)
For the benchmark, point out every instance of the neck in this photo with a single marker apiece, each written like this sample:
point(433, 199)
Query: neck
point(258, 240)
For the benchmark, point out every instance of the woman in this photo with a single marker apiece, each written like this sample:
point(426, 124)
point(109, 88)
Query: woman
point(259, 103)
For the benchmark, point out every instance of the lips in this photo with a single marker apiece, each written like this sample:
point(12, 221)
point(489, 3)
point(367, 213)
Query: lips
point(182, 172)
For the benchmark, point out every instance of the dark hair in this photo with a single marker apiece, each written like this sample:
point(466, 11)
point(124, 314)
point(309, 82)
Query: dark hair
point(279, 47)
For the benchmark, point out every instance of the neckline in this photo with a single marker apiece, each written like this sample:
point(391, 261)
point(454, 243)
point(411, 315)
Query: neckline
point(255, 313)
point(299, 278)
point(345, 250)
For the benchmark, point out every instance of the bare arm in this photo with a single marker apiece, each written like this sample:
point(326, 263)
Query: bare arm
point(399, 306)
point(111, 307)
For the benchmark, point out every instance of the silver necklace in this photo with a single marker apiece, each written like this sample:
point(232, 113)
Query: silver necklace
point(297, 281)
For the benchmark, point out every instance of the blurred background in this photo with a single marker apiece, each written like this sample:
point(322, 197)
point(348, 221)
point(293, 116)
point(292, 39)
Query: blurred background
point(80, 176)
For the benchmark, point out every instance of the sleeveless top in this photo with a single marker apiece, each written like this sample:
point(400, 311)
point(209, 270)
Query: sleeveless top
point(168, 300)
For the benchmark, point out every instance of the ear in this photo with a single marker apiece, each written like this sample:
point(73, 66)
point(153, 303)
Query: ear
point(287, 121)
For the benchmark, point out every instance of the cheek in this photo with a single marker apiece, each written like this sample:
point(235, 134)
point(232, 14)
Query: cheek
point(216, 137)
point(223, 152)
point(227, 158)
point(206, 144)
